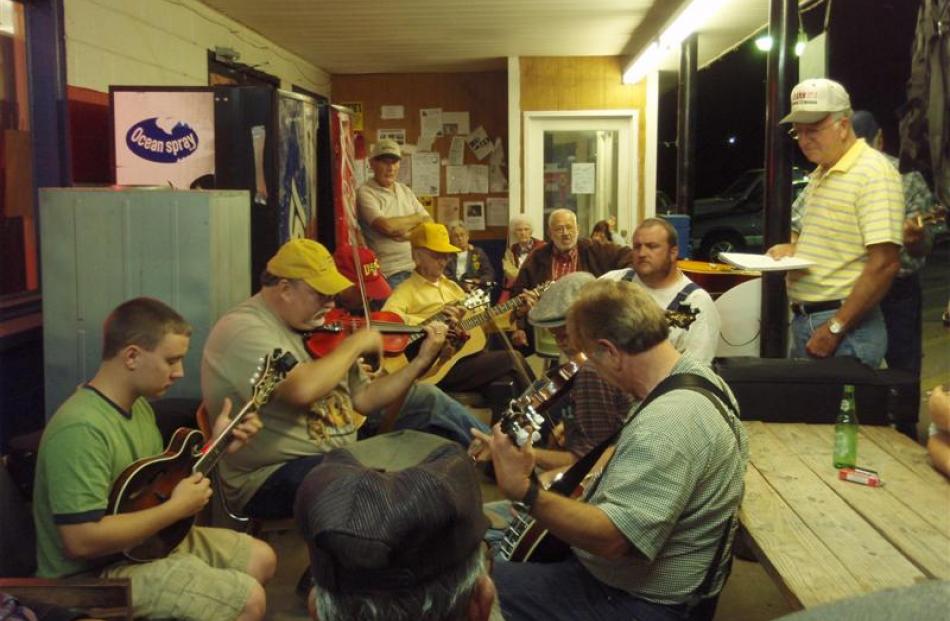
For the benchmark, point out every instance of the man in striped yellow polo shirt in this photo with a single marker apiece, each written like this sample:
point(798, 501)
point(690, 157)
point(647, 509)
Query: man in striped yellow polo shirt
point(851, 231)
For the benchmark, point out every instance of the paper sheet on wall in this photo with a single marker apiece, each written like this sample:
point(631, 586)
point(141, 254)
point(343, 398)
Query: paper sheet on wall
point(425, 173)
point(456, 179)
point(457, 151)
point(478, 179)
point(455, 123)
point(447, 209)
point(429, 203)
point(474, 215)
point(496, 212)
point(391, 112)
point(399, 135)
point(424, 143)
point(405, 171)
point(430, 121)
point(582, 178)
point(356, 119)
point(498, 153)
point(497, 181)
point(359, 171)
point(480, 144)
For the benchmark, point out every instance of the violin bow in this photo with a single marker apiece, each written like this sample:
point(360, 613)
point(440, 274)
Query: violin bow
point(358, 268)
point(521, 366)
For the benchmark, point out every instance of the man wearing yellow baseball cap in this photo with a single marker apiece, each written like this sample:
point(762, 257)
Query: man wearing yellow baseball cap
point(318, 406)
point(428, 292)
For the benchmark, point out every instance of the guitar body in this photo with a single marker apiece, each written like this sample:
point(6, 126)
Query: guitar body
point(149, 482)
point(475, 343)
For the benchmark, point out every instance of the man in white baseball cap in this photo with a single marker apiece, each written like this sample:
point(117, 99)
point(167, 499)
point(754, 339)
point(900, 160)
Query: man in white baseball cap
point(851, 231)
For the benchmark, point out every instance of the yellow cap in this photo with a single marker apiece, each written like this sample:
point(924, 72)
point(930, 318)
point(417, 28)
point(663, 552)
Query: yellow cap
point(432, 236)
point(306, 260)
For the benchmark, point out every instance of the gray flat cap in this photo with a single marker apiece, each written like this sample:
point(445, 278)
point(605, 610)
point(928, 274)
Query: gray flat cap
point(551, 309)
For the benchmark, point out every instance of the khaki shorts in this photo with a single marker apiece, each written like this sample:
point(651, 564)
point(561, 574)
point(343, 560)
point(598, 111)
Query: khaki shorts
point(203, 579)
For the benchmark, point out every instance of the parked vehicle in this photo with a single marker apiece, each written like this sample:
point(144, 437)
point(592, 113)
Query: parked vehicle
point(732, 220)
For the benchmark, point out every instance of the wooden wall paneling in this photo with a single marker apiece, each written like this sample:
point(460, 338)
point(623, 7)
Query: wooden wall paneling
point(584, 83)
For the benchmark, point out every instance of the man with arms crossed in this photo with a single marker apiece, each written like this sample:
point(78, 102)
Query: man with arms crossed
point(100, 430)
point(388, 211)
point(655, 248)
point(851, 230)
point(653, 536)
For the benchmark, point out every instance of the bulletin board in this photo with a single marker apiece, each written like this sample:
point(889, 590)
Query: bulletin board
point(463, 162)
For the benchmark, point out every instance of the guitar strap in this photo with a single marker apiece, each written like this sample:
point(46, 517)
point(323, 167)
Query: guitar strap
point(688, 381)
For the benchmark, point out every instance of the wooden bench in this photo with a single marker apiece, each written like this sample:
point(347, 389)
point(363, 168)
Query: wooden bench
point(822, 539)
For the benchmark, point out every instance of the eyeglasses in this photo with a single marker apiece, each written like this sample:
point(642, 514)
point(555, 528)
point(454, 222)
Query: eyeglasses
point(810, 132)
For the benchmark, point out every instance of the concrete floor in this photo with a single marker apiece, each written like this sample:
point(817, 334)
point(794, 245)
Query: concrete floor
point(750, 594)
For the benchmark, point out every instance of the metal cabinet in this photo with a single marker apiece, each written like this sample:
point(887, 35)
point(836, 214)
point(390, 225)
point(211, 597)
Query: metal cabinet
point(102, 246)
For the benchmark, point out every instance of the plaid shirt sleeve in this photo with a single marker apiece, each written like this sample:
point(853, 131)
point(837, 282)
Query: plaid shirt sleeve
point(597, 410)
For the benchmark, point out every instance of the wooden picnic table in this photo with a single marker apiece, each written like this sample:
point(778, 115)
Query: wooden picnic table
point(823, 539)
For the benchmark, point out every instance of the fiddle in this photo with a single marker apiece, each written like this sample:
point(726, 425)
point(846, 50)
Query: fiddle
point(339, 324)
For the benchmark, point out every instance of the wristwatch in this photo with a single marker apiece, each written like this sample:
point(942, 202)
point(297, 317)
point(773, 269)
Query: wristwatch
point(835, 326)
point(530, 496)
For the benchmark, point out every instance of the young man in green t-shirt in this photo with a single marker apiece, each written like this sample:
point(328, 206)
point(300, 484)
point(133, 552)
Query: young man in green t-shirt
point(214, 574)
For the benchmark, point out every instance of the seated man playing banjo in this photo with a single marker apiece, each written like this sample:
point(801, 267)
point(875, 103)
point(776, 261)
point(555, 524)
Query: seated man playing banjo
point(651, 538)
point(107, 424)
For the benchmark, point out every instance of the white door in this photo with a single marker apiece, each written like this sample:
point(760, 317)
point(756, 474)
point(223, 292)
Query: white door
point(584, 161)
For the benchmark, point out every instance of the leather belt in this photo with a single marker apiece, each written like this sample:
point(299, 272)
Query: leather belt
point(807, 308)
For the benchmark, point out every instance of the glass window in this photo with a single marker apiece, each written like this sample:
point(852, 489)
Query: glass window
point(580, 174)
point(18, 246)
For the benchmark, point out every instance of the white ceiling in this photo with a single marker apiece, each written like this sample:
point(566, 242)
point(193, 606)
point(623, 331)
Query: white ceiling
point(409, 36)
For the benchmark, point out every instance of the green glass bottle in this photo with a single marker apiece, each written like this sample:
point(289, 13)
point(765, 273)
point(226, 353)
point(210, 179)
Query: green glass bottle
point(846, 431)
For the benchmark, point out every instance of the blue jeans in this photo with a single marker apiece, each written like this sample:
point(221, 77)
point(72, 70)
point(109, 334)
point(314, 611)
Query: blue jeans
point(567, 591)
point(867, 341)
point(427, 408)
point(274, 499)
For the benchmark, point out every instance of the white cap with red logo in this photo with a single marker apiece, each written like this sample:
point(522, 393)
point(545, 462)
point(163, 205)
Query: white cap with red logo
point(813, 100)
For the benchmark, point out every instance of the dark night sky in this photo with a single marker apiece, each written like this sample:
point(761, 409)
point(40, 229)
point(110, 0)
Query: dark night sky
point(869, 46)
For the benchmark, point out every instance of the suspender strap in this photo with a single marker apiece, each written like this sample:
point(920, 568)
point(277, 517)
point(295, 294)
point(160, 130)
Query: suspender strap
point(688, 381)
point(677, 302)
point(573, 477)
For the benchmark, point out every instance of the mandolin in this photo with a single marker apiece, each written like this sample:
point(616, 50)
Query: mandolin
point(149, 482)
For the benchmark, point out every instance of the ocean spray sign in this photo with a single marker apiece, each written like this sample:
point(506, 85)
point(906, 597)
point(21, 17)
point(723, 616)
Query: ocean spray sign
point(161, 137)
point(151, 142)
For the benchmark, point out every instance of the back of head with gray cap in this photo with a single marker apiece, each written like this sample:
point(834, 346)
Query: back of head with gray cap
point(371, 532)
point(551, 309)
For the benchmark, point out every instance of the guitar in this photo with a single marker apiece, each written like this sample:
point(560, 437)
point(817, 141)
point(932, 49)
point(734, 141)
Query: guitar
point(476, 340)
point(525, 540)
point(149, 482)
point(475, 299)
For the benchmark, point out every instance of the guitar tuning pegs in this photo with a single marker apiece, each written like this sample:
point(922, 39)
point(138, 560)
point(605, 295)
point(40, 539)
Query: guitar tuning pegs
point(521, 437)
point(535, 437)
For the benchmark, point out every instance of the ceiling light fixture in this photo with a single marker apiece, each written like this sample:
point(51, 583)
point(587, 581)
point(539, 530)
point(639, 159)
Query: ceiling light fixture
point(686, 22)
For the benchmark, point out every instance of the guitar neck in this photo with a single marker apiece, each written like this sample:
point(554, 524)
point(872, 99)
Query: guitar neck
point(214, 449)
point(476, 320)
